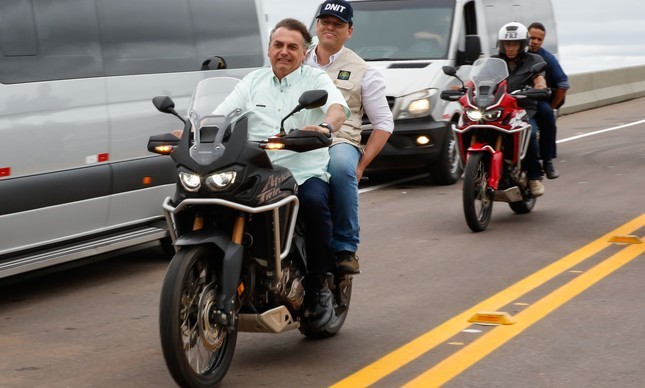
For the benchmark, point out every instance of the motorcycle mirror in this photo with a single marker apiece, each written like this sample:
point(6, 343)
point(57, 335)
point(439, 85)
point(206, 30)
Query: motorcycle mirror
point(449, 70)
point(308, 100)
point(313, 99)
point(165, 104)
point(538, 67)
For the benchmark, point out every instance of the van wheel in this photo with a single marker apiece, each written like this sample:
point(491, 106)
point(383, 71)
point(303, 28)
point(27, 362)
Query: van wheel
point(447, 169)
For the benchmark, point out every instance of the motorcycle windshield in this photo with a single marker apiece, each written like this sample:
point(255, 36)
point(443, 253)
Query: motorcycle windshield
point(215, 105)
point(210, 95)
point(486, 74)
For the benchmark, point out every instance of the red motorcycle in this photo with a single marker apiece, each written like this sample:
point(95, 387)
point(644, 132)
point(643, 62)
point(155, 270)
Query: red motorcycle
point(493, 136)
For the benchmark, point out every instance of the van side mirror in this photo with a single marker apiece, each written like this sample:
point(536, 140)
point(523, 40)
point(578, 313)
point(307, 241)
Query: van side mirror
point(214, 63)
point(471, 52)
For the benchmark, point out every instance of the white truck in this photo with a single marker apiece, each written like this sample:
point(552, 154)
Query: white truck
point(410, 41)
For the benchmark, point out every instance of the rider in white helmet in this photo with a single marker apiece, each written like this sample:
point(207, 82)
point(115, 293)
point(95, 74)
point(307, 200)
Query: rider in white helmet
point(512, 44)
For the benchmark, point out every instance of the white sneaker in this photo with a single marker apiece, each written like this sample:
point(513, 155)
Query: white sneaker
point(536, 187)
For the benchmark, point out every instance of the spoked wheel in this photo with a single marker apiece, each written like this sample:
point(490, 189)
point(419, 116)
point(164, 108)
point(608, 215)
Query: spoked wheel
point(478, 203)
point(198, 351)
point(342, 295)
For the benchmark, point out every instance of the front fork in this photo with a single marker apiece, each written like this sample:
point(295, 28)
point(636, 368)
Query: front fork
point(497, 159)
point(231, 271)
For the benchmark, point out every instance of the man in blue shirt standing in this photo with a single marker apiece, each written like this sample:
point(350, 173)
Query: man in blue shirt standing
point(558, 81)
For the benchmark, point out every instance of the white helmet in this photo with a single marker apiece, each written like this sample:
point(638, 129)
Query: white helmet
point(513, 31)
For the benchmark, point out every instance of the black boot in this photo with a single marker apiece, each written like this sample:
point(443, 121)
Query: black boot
point(550, 170)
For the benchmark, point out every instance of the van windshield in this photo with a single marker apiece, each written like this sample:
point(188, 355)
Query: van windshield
point(401, 30)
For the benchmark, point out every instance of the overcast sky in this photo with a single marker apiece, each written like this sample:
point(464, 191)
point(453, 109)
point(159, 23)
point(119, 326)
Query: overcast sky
point(602, 36)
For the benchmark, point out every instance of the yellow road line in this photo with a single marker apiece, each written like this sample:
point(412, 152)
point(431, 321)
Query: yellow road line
point(417, 347)
point(472, 353)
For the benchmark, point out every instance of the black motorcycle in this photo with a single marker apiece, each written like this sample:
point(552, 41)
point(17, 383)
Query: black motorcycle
point(240, 261)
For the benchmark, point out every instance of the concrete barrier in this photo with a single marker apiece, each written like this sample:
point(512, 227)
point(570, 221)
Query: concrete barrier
point(594, 89)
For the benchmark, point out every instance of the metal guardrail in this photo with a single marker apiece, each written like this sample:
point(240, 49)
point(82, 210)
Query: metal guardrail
point(595, 89)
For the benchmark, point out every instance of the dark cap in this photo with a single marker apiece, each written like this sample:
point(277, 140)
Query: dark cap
point(339, 8)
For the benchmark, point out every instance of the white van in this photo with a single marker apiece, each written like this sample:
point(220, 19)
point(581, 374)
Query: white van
point(410, 41)
point(76, 82)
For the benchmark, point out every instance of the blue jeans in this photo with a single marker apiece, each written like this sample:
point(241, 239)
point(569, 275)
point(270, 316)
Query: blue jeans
point(314, 213)
point(532, 158)
point(343, 160)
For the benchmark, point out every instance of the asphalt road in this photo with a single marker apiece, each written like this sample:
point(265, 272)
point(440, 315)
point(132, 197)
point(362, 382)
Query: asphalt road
point(575, 298)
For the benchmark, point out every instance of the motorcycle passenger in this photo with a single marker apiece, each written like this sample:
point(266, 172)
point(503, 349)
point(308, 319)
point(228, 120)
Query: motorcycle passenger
point(364, 88)
point(512, 45)
point(277, 89)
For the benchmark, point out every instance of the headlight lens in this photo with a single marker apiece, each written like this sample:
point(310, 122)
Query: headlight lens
point(416, 104)
point(220, 180)
point(493, 114)
point(190, 181)
point(473, 114)
point(418, 107)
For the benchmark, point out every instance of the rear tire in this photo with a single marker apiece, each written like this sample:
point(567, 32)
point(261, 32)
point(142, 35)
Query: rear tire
point(523, 207)
point(477, 202)
point(342, 295)
point(197, 352)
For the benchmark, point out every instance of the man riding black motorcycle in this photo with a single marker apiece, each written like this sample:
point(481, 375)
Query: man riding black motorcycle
point(274, 92)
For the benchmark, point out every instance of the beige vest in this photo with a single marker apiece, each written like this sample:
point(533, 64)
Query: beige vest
point(347, 73)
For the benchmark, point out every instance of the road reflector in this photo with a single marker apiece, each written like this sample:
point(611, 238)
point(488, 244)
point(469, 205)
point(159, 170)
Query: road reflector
point(626, 239)
point(492, 318)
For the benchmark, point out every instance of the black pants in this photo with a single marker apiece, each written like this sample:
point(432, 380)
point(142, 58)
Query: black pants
point(315, 215)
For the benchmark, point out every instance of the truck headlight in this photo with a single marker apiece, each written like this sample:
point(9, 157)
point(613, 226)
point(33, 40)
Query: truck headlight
point(416, 104)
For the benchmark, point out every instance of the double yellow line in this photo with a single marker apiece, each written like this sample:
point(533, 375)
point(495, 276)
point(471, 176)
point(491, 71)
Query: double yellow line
point(475, 351)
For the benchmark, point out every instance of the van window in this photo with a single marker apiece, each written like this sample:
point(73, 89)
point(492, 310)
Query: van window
point(399, 30)
point(43, 40)
point(62, 38)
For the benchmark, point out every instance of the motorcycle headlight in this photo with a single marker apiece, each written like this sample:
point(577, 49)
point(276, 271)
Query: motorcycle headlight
point(473, 114)
point(190, 181)
point(493, 114)
point(220, 180)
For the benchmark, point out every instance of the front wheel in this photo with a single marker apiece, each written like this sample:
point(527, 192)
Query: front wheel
point(197, 351)
point(478, 203)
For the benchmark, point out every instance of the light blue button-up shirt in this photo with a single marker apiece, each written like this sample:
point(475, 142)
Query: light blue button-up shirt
point(273, 99)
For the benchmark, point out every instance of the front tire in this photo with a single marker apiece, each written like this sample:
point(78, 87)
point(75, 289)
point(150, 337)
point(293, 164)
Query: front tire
point(197, 351)
point(477, 202)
